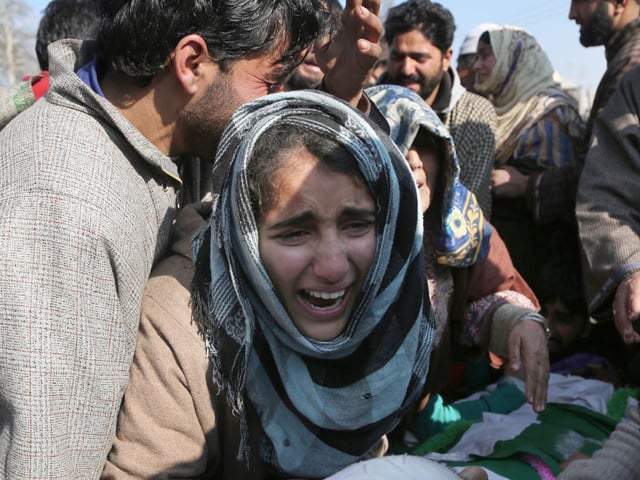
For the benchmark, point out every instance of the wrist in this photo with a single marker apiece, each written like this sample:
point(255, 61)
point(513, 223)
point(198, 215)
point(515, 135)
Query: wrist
point(541, 320)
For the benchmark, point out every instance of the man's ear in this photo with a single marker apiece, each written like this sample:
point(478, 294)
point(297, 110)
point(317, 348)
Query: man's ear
point(446, 59)
point(189, 56)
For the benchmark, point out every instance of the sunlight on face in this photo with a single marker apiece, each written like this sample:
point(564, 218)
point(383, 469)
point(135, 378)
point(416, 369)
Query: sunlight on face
point(425, 166)
point(484, 63)
point(415, 63)
point(317, 241)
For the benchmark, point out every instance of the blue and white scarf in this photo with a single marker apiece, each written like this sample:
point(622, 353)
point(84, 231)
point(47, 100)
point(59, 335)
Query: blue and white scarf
point(460, 233)
point(322, 405)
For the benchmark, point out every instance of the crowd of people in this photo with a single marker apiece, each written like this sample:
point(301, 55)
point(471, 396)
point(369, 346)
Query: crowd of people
point(282, 239)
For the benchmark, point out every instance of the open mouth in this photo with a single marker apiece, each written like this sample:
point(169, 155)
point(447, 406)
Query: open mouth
point(324, 301)
point(410, 84)
point(311, 66)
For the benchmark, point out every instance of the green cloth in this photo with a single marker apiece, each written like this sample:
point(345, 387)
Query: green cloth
point(563, 430)
point(436, 416)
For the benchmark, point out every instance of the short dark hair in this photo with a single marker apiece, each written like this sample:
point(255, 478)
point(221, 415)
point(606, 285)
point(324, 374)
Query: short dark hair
point(561, 279)
point(65, 19)
point(136, 37)
point(433, 20)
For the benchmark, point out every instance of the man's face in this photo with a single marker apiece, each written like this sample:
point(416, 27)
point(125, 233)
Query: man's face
point(204, 119)
point(484, 62)
point(465, 72)
point(565, 327)
point(415, 63)
point(305, 75)
point(595, 18)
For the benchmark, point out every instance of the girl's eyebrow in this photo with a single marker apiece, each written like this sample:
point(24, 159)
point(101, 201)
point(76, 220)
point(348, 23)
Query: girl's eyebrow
point(292, 221)
point(307, 215)
point(358, 212)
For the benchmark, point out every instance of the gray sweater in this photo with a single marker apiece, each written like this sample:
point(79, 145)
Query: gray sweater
point(608, 204)
point(85, 207)
point(618, 459)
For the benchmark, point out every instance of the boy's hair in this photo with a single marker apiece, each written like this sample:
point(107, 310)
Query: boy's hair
point(433, 20)
point(66, 19)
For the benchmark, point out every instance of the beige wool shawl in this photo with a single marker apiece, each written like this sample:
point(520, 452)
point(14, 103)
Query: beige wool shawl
point(523, 86)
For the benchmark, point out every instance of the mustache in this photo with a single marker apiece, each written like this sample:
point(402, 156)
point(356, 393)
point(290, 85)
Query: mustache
point(414, 78)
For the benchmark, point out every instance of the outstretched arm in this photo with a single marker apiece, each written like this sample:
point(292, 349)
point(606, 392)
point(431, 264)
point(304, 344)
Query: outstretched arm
point(607, 210)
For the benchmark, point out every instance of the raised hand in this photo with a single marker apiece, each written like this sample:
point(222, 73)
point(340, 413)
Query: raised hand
point(347, 58)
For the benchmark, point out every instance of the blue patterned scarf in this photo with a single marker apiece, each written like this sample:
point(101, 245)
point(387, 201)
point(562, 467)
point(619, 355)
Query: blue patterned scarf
point(460, 234)
point(321, 405)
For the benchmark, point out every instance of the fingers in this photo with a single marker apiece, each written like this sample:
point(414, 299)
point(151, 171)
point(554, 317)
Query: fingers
point(536, 373)
point(367, 26)
point(537, 384)
point(626, 308)
point(371, 23)
point(515, 362)
point(372, 5)
point(528, 350)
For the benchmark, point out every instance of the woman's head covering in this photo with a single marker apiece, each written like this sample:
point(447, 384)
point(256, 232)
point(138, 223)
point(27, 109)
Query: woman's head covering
point(522, 68)
point(523, 86)
point(469, 45)
point(461, 234)
point(322, 404)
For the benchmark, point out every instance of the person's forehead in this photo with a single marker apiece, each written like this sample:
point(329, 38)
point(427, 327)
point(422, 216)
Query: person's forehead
point(483, 47)
point(414, 39)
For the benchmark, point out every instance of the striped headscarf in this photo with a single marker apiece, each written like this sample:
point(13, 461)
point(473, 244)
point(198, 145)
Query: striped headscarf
point(524, 87)
point(322, 404)
point(460, 233)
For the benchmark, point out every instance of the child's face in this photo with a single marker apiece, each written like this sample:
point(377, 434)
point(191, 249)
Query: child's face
point(566, 327)
point(317, 241)
point(425, 166)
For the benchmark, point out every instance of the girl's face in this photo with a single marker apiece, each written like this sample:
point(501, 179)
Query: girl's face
point(317, 241)
point(484, 63)
point(425, 166)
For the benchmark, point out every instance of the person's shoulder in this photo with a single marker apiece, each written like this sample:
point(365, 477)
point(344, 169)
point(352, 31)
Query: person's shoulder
point(475, 105)
point(474, 98)
point(629, 85)
point(170, 280)
point(51, 127)
point(166, 299)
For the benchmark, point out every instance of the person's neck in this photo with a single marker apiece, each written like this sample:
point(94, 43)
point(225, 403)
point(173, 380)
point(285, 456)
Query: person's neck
point(440, 98)
point(629, 14)
point(146, 107)
point(432, 98)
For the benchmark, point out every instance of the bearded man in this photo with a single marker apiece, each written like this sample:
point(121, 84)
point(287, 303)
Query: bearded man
point(614, 24)
point(420, 34)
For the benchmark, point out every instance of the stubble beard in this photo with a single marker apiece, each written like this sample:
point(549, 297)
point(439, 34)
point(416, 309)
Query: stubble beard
point(296, 81)
point(427, 86)
point(205, 121)
point(599, 28)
